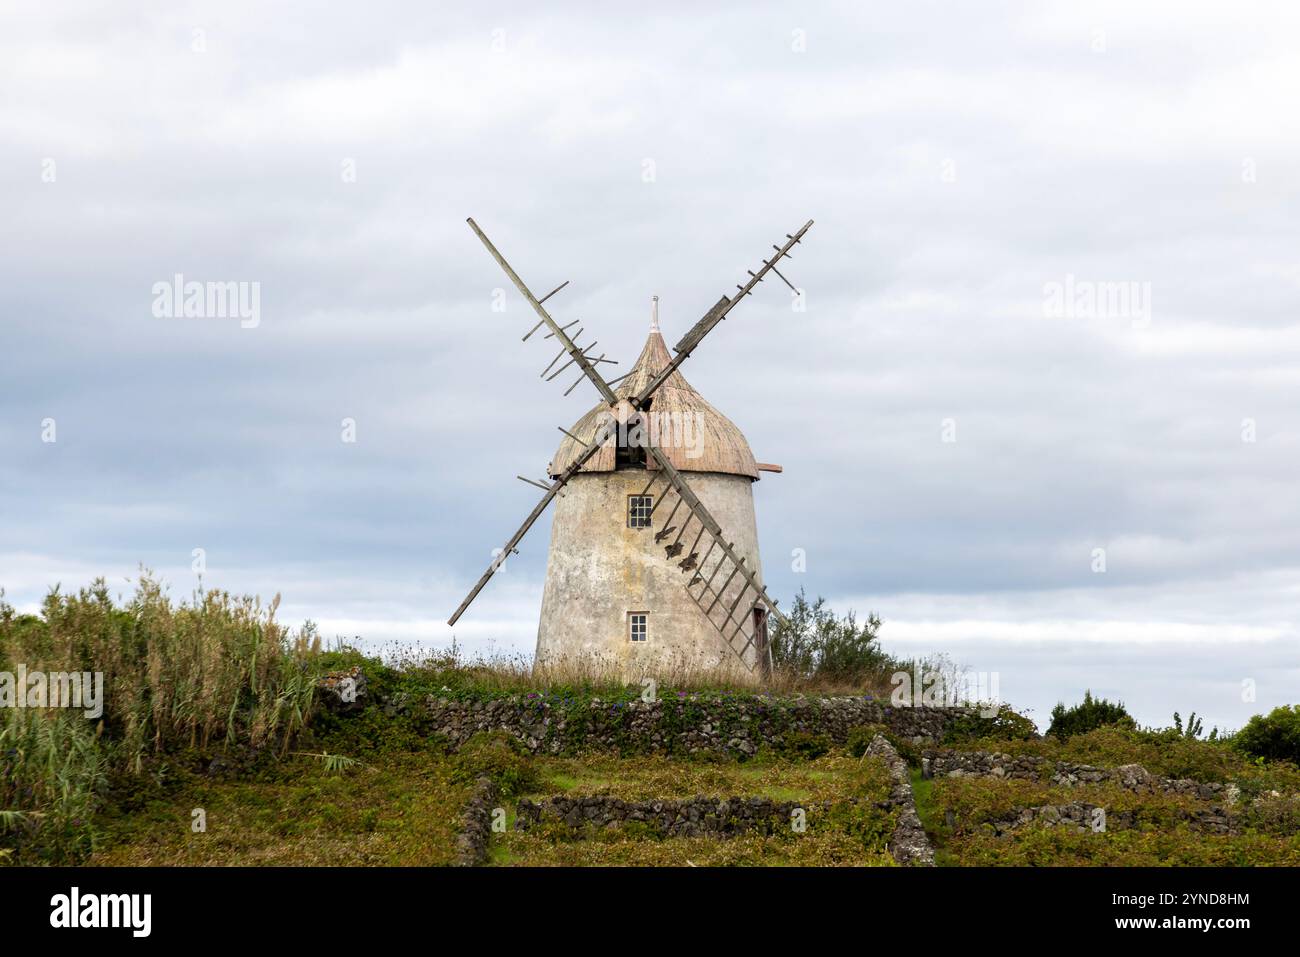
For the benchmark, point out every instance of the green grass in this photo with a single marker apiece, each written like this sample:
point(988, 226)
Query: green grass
point(619, 848)
point(842, 835)
point(932, 818)
point(832, 777)
point(1159, 752)
point(406, 811)
point(1174, 847)
point(395, 805)
point(1160, 836)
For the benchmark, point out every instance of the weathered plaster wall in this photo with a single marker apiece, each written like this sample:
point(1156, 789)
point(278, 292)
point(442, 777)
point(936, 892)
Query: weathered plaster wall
point(598, 570)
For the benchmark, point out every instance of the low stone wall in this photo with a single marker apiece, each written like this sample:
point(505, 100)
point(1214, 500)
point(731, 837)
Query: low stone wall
point(692, 817)
point(686, 725)
point(476, 824)
point(1131, 777)
point(1082, 816)
point(910, 845)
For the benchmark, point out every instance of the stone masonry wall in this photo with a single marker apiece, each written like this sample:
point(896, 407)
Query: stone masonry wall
point(910, 845)
point(1079, 815)
point(685, 725)
point(724, 817)
point(476, 824)
point(692, 817)
point(1131, 777)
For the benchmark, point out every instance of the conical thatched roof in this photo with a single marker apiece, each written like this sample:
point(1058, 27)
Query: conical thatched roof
point(694, 435)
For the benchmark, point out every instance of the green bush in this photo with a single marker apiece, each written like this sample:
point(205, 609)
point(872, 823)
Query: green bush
point(813, 644)
point(1006, 725)
point(805, 745)
point(1273, 737)
point(1194, 728)
point(860, 738)
point(1092, 714)
point(499, 756)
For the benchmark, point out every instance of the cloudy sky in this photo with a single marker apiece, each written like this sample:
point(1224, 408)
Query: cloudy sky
point(1040, 412)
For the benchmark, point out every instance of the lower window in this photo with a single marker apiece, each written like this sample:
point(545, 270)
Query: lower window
point(637, 625)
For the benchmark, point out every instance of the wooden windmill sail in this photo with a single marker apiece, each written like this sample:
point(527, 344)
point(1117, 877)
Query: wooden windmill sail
point(713, 572)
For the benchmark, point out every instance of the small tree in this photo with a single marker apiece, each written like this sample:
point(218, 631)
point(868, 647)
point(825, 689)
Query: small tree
point(1093, 713)
point(1193, 729)
point(1275, 737)
point(814, 643)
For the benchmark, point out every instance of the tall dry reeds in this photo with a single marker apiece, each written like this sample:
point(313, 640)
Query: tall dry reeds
point(214, 670)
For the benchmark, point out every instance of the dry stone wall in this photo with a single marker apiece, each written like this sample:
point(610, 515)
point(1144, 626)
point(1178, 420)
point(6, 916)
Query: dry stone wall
point(1082, 816)
point(910, 844)
point(1131, 777)
point(476, 824)
point(686, 725)
point(693, 817)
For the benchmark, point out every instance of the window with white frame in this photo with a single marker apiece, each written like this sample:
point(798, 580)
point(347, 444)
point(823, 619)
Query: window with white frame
point(636, 625)
point(639, 508)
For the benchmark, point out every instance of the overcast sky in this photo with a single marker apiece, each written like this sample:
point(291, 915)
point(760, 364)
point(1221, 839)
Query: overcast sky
point(961, 432)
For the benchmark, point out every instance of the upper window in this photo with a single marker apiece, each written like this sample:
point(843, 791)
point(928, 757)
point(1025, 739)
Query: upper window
point(639, 508)
point(636, 625)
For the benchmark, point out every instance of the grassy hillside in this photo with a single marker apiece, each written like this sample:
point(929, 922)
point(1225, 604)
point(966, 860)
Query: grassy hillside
point(214, 748)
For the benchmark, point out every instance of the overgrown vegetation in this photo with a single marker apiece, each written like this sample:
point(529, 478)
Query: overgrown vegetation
point(1177, 846)
point(834, 776)
point(498, 756)
point(53, 769)
point(806, 745)
point(1272, 737)
point(399, 809)
point(1087, 716)
point(1004, 724)
point(215, 671)
point(1195, 727)
point(842, 797)
point(860, 739)
point(860, 843)
point(1161, 752)
point(1159, 830)
point(210, 703)
point(815, 646)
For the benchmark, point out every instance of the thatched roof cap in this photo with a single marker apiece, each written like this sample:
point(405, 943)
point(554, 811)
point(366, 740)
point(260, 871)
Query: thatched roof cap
point(694, 435)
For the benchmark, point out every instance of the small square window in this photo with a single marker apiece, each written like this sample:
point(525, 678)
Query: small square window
point(639, 508)
point(636, 625)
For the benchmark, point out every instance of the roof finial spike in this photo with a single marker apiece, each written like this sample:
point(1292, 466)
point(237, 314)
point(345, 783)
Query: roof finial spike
point(654, 313)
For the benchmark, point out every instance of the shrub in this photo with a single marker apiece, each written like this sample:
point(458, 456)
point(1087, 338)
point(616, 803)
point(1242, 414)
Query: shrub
point(1273, 737)
point(806, 745)
point(1092, 714)
point(813, 644)
point(499, 756)
point(1006, 725)
point(860, 738)
point(1193, 729)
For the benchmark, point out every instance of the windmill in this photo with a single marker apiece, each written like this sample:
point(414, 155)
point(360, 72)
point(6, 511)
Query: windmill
point(603, 565)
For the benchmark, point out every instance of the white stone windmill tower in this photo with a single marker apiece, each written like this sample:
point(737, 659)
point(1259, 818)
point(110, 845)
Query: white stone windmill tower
point(647, 571)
